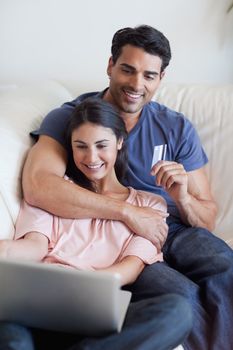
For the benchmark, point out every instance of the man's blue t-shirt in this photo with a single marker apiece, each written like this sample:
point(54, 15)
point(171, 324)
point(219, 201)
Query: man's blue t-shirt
point(160, 133)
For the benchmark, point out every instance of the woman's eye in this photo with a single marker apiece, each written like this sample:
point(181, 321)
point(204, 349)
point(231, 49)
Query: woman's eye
point(101, 146)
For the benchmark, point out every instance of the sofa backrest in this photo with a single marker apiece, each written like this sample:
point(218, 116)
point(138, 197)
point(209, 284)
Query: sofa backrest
point(21, 111)
point(210, 109)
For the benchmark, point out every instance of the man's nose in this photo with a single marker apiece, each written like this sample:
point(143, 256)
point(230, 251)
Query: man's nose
point(136, 82)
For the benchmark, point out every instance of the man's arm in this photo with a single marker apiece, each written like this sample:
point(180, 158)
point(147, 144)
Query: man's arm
point(44, 187)
point(190, 191)
point(128, 269)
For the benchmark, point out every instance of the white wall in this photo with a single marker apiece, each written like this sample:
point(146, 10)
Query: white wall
point(71, 39)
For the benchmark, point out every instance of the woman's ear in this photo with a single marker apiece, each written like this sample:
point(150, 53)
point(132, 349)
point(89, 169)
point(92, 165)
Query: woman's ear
point(120, 143)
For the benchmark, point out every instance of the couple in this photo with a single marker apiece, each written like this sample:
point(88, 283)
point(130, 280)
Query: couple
point(96, 134)
point(197, 265)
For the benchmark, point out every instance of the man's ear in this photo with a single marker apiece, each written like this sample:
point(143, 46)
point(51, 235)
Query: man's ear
point(109, 68)
point(162, 74)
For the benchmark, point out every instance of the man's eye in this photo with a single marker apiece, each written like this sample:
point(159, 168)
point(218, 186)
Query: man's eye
point(150, 77)
point(101, 146)
point(81, 146)
point(125, 70)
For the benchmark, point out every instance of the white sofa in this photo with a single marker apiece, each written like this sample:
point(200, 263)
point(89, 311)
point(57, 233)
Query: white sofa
point(209, 107)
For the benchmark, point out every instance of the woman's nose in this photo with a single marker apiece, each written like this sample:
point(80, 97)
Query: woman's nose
point(91, 156)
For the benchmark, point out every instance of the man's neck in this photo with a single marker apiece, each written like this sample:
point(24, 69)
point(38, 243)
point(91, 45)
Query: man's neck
point(130, 120)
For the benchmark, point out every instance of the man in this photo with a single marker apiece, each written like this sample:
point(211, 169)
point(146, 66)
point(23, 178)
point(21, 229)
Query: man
point(198, 265)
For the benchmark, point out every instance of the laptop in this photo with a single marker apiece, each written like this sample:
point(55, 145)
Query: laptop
point(55, 298)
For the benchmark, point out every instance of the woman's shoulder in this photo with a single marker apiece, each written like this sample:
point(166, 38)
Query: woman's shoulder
point(146, 199)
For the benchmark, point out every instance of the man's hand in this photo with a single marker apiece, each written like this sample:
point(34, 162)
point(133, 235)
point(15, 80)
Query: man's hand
point(148, 223)
point(173, 178)
point(190, 191)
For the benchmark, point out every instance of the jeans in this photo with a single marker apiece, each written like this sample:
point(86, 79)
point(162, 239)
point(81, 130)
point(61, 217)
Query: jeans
point(159, 323)
point(13, 336)
point(198, 266)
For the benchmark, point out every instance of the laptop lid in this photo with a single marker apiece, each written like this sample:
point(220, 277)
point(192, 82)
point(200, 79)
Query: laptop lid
point(61, 299)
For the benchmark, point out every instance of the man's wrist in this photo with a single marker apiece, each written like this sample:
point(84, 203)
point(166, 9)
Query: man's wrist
point(125, 212)
point(185, 201)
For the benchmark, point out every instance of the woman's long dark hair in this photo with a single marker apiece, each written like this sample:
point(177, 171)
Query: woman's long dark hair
point(99, 112)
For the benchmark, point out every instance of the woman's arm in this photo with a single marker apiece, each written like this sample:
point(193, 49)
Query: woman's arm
point(33, 246)
point(129, 269)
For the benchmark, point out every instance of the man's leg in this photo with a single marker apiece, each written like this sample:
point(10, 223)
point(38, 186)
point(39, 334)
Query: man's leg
point(159, 279)
point(208, 262)
point(160, 323)
point(15, 337)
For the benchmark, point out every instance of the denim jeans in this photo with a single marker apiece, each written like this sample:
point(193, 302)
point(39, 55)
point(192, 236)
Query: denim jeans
point(160, 323)
point(15, 337)
point(199, 266)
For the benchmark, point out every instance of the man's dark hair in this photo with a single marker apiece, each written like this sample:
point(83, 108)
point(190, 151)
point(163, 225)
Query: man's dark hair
point(100, 112)
point(146, 37)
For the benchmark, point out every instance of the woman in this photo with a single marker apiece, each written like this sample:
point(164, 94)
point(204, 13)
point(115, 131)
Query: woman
point(96, 135)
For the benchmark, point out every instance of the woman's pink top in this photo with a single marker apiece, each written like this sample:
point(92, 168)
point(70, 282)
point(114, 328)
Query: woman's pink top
point(89, 244)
